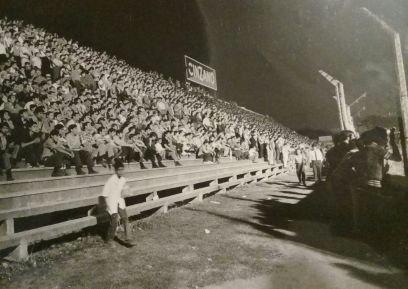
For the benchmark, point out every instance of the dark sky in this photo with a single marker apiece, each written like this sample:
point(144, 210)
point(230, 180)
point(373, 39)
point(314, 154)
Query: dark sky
point(266, 52)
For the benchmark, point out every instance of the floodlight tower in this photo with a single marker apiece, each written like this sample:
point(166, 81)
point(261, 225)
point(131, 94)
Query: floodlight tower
point(340, 99)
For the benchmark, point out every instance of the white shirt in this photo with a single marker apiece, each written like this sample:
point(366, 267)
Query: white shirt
point(316, 155)
point(300, 159)
point(3, 49)
point(112, 191)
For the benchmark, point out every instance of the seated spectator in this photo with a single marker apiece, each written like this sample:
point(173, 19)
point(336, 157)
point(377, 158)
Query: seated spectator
point(151, 151)
point(170, 148)
point(206, 152)
point(30, 144)
point(56, 155)
point(139, 148)
point(160, 149)
point(126, 151)
point(80, 154)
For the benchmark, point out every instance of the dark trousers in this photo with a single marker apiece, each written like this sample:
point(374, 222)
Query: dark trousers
point(152, 156)
point(317, 170)
point(127, 153)
point(208, 157)
point(218, 154)
point(32, 153)
point(277, 154)
point(260, 151)
point(265, 151)
point(340, 203)
point(114, 223)
point(237, 154)
point(5, 160)
point(300, 172)
point(57, 160)
point(139, 156)
point(370, 209)
point(82, 157)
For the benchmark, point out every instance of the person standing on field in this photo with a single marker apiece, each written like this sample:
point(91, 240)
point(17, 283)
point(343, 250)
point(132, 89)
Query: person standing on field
point(113, 193)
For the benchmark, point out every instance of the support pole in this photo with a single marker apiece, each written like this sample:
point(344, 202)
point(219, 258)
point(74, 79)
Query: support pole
point(403, 99)
point(337, 98)
point(343, 105)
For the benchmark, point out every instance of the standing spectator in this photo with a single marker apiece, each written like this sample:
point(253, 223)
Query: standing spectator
point(341, 147)
point(278, 146)
point(252, 153)
point(6, 147)
point(316, 160)
point(271, 152)
point(341, 182)
point(300, 162)
point(370, 168)
point(285, 154)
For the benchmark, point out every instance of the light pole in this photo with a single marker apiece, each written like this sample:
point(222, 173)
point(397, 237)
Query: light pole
point(402, 83)
point(346, 112)
point(341, 103)
point(349, 109)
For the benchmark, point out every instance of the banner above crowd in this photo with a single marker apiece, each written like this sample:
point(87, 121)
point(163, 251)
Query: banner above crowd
point(200, 73)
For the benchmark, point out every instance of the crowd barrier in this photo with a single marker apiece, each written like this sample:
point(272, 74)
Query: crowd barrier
point(31, 201)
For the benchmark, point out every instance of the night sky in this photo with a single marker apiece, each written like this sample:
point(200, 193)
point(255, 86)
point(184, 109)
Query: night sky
point(266, 52)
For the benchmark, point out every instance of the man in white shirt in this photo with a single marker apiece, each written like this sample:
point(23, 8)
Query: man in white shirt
point(113, 192)
point(316, 160)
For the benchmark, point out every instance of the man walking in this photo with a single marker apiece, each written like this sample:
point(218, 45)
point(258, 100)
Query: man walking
point(316, 160)
point(300, 161)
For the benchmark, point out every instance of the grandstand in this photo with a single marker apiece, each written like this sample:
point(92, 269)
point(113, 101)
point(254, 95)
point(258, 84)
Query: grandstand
point(63, 106)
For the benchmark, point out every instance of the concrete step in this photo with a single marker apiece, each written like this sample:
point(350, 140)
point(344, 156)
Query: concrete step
point(45, 172)
point(138, 186)
point(130, 172)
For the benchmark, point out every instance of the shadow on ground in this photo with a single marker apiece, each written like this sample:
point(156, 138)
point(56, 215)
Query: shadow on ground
point(302, 215)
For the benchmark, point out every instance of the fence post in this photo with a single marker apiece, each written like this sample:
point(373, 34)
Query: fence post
point(21, 251)
point(7, 227)
point(152, 197)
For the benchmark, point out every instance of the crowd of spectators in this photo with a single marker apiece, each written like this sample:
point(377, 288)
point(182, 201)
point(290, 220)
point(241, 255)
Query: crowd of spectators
point(63, 104)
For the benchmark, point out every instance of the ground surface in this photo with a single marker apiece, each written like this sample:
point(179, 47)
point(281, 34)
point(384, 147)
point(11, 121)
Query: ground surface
point(262, 236)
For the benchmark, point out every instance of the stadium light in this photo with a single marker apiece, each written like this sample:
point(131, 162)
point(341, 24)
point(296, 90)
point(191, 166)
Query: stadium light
point(401, 79)
point(345, 122)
